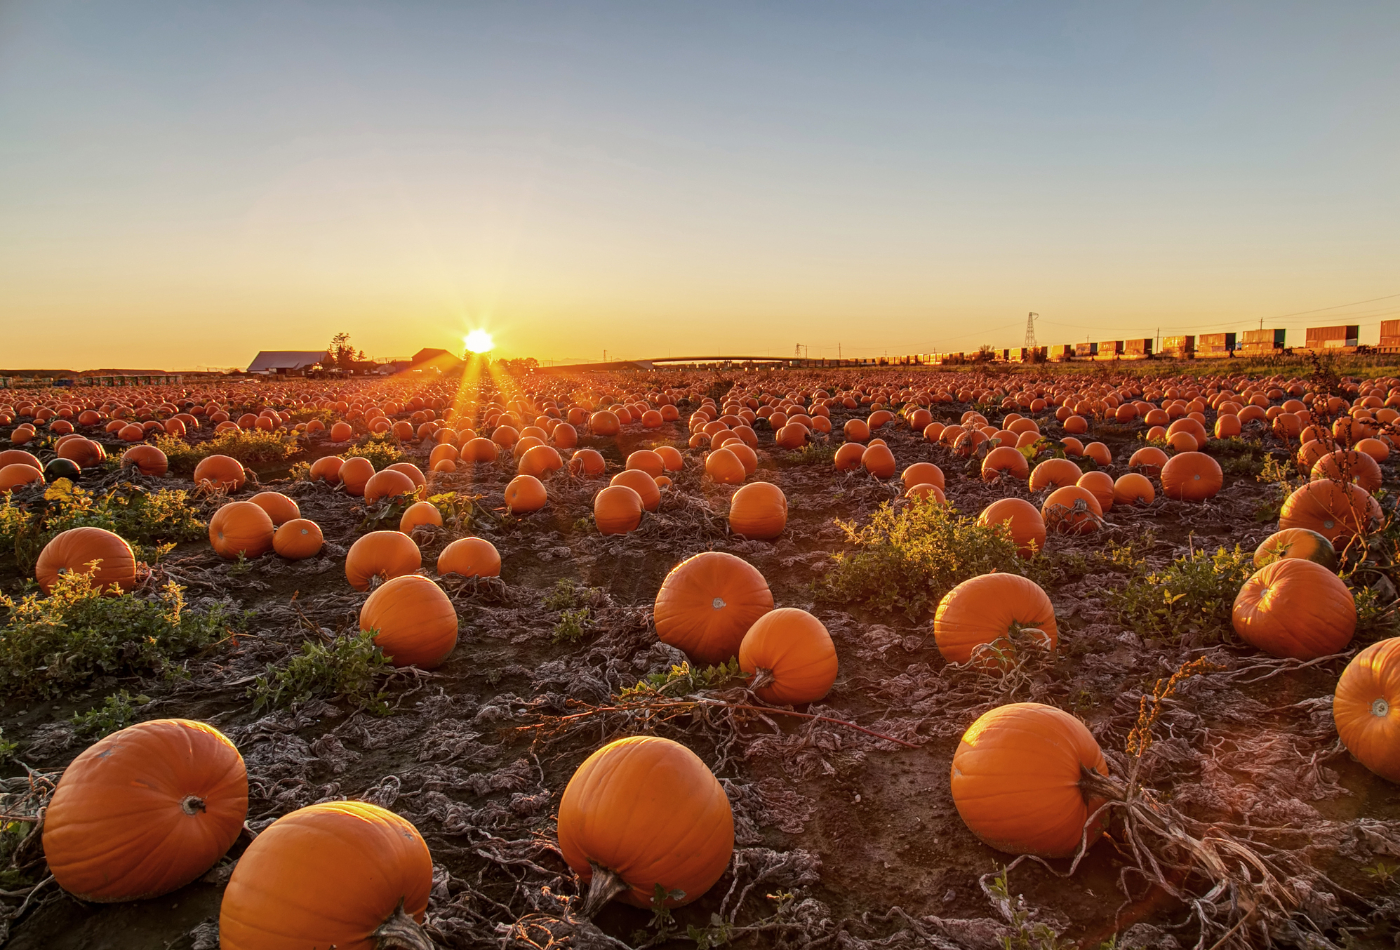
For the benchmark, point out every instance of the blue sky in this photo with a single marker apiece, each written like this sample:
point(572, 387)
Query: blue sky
point(189, 183)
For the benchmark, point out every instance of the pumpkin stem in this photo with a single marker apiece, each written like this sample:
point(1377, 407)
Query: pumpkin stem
point(401, 931)
point(603, 887)
point(1100, 786)
point(761, 678)
point(191, 804)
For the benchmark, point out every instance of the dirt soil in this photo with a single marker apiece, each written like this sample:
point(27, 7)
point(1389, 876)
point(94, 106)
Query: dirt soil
point(844, 840)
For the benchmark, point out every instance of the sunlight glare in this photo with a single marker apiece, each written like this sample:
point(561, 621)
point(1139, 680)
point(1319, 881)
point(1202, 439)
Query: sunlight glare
point(479, 341)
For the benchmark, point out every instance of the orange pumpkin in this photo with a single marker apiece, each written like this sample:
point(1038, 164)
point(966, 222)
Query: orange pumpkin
point(1133, 489)
point(707, 603)
point(605, 423)
point(219, 472)
point(525, 494)
point(923, 473)
point(540, 461)
point(644, 812)
point(298, 539)
point(421, 512)
point(76, 549)
point(19, 457)
point(1366, 708)
point(1016, 780)
point(326, 469)
point(415, 622)
point(240, 527)
point(648, 461)
point(848, 457)
point(1021, 519)
point(83, 452)
point(1191, 476)
point(758, 510)
point(1005, 461)
point(1336, 510)
point(17, 474)
point(790, 657)
point(385, 554)
point(724, 467)
point(1295, 608)
point(1100, 485)
point(1054, 473)
point(278, 506)
point(1072, 510)
point(671, 458)
point(147, 459)
point(1349, 465)
point(355, 474)
point(470, 557)
point(878, 460)
point(336, 874)
point(1148, 461)
point(145, 811)
point(618, 509)
point(587, 462)
point(1296, 542)
point(982, 615)
point(387, 484)
point(480, 449)
point(643, 484)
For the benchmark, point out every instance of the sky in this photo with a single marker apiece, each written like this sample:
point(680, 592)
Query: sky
point(182, 185)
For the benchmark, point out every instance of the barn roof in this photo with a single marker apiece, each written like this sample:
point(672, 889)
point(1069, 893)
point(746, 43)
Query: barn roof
point(269, 360)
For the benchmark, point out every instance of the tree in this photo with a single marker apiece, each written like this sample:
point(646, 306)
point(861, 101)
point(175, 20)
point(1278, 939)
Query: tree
point(342, 354)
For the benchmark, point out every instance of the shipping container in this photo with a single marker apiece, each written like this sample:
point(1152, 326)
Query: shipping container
point(1138, 348)
point(1062, 351)
point(1179, 347)
point(1215, 342)
point(1268, 339)
point(1390, 335)
point(1320, 338)
point(1083, 350)
point(1109, 350)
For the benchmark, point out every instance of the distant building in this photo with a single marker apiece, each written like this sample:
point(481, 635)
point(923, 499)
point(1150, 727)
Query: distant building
point(287, 362)
point(434, 359)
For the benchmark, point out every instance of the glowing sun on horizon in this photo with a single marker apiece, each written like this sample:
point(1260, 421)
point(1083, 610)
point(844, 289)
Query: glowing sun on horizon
point(479, 341)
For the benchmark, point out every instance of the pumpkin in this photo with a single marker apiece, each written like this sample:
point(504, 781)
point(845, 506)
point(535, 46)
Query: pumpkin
point(388, 484)
point(1100, 485)
point(326, 469)
point(83, 452)
point(77, 548)
point(384, 554)
point(790, 657)
point(878, 460)
point(848, 457)
point(341, 432)
point(1133, 489)
point(923, 473)
point(1148, 461)
point(19, 457)
point(1366, 708)
point(480, 449)
point(1295, 608)
point(1054, 473)
point(643, 484)
point(219, 472)
point(604, 422)
point(1016, 780)
point(1191, 476)
point(298, 539)
point(349, 875)
point(707, 603)
point(587, 462)
point(147, 459)
point(14, 475)
point(618, 509)
point(983, 615)
point(758, 510)
point(240, 527)
point(278, 506)
point(470, 557)
point(724, 467)
point(540, 461)
point(145, 811)
point(1005, 461)
point(642, 812)
point(415, 622)
point(1022, 520)
point(525, 493)
point(648, 461)
point(1072, 510)
point(1336, 510)
point(355, 474)
point(420, 512)
point(1296, 542)
point(671, 458)
point(1349, 465)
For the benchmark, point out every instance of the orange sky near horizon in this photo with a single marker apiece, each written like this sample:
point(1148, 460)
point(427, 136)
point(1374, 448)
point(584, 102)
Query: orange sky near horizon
point(181, 188)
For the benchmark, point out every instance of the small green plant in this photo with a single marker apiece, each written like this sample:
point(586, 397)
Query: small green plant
point(572, 625)
point(7, 749)
point(1196, 590)
point(1239, 456)
point(116, 712)
point(253, 447)
point(564, 595)
point(49, 645)
point(718, 934)
point(240, 565)
point(813, 453)
point(682, 680)
point(907, 558)
point(1025, 934)
point(347, 668)
point(1383, 873)
point(382, 450)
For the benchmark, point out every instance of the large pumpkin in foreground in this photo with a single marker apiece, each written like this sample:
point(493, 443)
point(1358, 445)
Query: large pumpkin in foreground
point(707, 603)
point(645, 811)
point(145, 811)
point(1366, 708)
point(1336, 510)
point(1015, 780)
point(415, 621)
point(348, 875)
point(241, 528)
point(983, 614)
point(758, 510)
point(1295, 608)
point(76, 549)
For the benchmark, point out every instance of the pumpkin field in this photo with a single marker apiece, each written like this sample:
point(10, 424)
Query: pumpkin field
point(1044, 657)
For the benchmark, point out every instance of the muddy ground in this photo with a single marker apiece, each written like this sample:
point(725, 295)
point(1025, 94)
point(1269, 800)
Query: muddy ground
point(844, 840)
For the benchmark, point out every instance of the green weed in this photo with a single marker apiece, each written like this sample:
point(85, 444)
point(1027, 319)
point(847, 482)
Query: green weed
point(813, 453)
point(1196, 590)
point(382, 450)
point(252, 447)
point(572, 626)
point(1025, 934)
point(116, 712)
point(683, 680)
point(347, 668)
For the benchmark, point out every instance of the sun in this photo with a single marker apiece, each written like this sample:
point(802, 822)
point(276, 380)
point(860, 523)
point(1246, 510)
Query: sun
point(479, 341)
